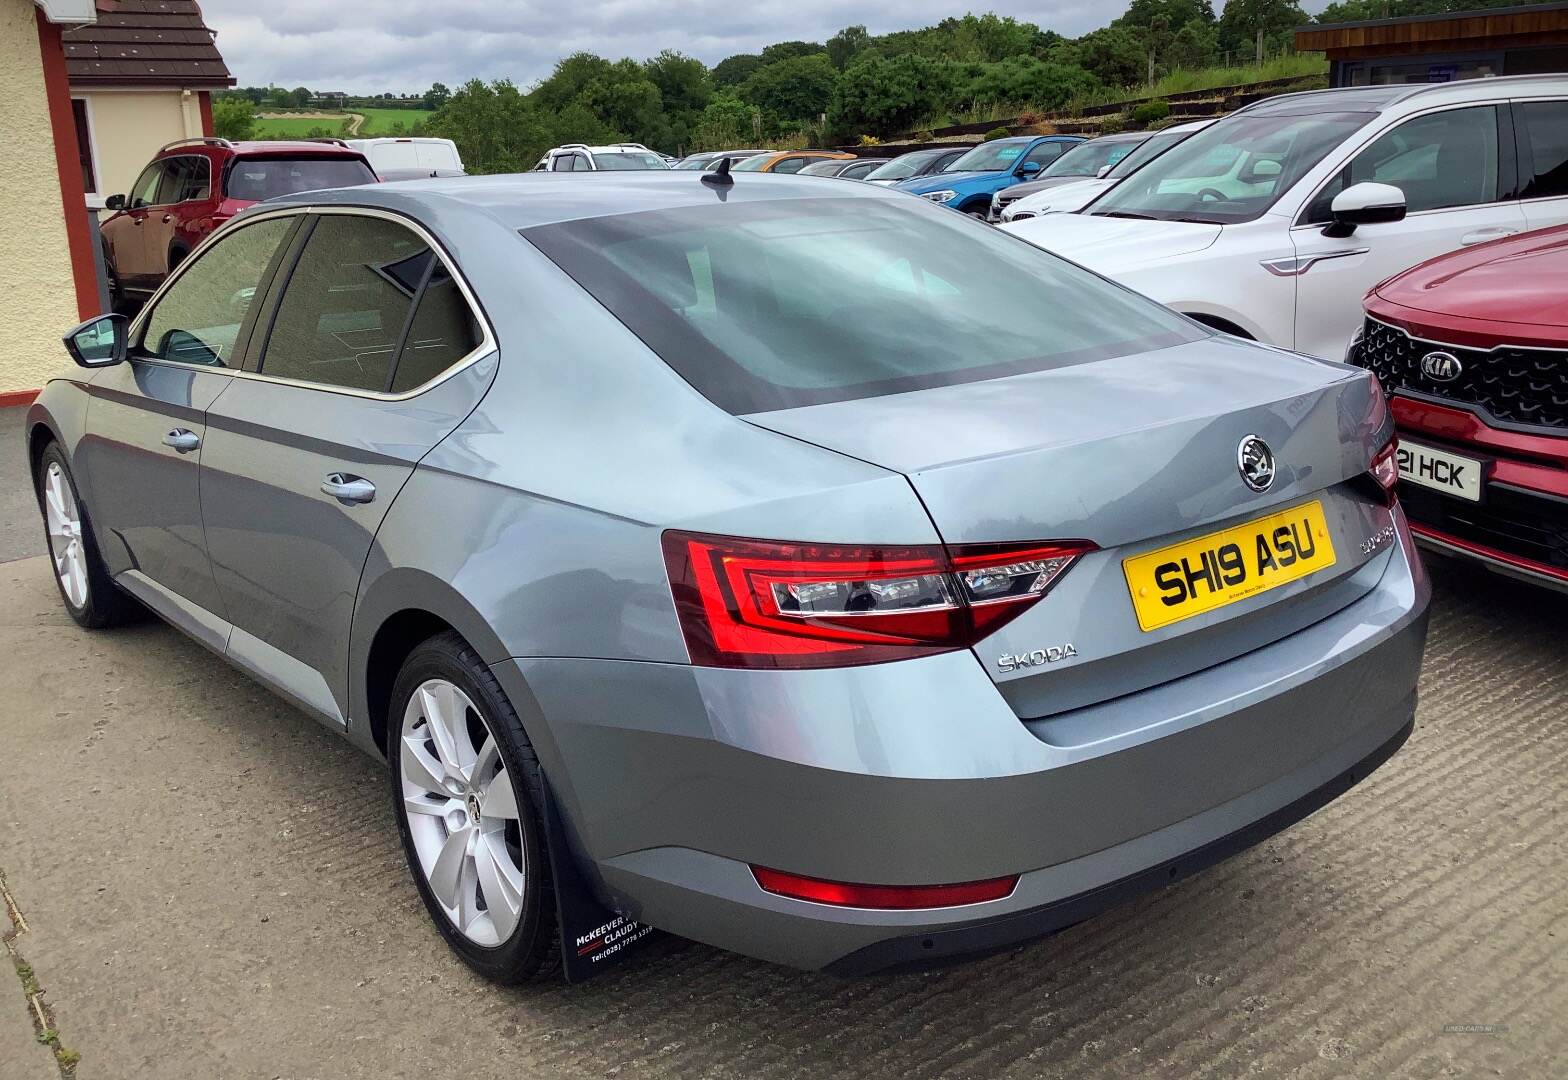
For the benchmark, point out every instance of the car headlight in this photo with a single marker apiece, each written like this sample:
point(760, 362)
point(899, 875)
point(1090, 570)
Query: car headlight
point(1353, 353)
point(940, 196)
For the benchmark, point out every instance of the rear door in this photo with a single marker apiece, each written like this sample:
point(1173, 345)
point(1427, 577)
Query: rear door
point(1542, 130)
point(147, 418)
point(1456, 168)
point(187, 180)
point(366, 367)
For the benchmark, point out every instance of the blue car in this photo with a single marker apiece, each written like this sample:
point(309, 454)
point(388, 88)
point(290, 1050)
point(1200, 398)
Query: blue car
point(971, 181)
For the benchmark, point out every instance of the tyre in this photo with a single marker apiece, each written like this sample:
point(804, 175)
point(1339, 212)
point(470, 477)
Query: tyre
point(118, 301)
point(468, 796)
point(91, 597)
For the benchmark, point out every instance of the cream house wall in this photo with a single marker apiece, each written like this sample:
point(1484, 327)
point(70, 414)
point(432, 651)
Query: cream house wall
point(126, 128)
point(37, 292)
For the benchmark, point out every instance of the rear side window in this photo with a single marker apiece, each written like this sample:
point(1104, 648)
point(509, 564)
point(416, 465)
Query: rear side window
point(1546, 123)
point(778, 304)
point(366, 297)
point(198, 318)
point(254, 179)
point(791, 164)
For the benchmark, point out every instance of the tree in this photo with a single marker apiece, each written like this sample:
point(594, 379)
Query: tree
point(279, 98)
point(800, 88)
point(573, 76)
point(845, 45)
point(1177, 13)
point(1195, 45)
point(233, 118)
point(1023, 80)
point(302, 96)
point(625, 100)
point(494, 127)
point(683, 82)
point(882, 96)
point(1242, 19)
point(725, 124)
point(734, 70)
point(790, 50)
point(1112, 54)
point(436, 96)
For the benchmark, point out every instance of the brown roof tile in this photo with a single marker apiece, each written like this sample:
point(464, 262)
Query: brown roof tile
point(138, 42)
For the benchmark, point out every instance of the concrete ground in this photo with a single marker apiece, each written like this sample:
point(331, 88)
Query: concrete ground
point(212, 887)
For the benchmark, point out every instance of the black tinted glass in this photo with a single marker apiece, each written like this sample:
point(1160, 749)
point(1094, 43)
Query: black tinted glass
point(442, 333)
point(1547, 124)
point(256, 179)
point(778, 304)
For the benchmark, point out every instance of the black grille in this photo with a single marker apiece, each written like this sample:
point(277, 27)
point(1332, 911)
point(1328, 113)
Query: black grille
point(1513, 522)
point(1524, 387)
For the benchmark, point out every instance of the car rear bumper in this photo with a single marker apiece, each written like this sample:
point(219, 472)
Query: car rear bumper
point(674, 781)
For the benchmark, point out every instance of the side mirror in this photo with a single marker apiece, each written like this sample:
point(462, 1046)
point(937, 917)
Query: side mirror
point(1029, 168)
point(114, 202)
point(98, 342)
point(1364, 204)
point(1102, 171)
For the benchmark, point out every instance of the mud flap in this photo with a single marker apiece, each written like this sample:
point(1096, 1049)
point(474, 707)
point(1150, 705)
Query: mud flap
point(593, 938)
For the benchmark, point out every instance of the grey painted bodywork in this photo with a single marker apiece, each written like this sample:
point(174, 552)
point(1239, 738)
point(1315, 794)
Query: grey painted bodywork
point(522, 501)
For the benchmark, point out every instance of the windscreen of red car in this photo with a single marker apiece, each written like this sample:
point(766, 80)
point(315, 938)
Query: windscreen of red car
point(784, 303)
point(256, 179)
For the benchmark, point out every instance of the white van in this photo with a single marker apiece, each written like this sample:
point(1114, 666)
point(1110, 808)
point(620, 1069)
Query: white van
point(410, 158)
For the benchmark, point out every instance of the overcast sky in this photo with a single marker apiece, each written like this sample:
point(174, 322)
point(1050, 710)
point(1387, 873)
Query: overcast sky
point(379, 45)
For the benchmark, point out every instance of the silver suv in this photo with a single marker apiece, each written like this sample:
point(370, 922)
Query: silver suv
point(798, 567)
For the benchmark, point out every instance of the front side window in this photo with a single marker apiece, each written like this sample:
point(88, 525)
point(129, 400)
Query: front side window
point(1231, 171)
point(791, 165)
point(1048, 153)
point(779, 304)
point(823, 168)
point(1439, 160)
point(1145, 152)
point(1546, 123)
point(562, 162)
point(145, 190)
point(343, 320)
point(902, 168)
point(254, 179)
point(198, 318)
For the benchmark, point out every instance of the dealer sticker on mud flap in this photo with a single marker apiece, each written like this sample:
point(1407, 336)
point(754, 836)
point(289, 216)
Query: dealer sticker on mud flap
point(593, 937)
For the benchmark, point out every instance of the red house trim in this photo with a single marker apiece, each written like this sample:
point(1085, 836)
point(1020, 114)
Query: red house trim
point(73, 196)
point(204, 97)
point(16, 397)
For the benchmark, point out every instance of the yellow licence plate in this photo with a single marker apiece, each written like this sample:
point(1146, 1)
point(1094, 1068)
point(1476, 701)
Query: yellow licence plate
point(1208, 572)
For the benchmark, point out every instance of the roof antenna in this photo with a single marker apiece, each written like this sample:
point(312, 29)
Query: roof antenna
point(719, 177)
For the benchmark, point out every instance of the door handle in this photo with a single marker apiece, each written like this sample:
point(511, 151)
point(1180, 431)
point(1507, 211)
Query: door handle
point(347, 488)
point(182, 439)
point(167, 218)
point(137, 219)
point(1481, 236)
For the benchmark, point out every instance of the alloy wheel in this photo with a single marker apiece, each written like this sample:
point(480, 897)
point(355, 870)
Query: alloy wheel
point(462, 813)
point(63, 519)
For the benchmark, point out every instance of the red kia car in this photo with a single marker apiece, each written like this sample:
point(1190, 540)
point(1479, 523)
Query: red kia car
point(1472, 350)
point(193, 186)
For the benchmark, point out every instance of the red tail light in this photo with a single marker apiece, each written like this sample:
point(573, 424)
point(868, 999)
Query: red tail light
point(885, 897)
point(1385, 470)
point(770, 604)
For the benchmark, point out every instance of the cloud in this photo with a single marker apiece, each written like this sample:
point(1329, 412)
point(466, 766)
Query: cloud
point(401, 45)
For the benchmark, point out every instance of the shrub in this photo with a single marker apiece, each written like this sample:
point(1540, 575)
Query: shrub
point(1150, 111)
point(870, 140)
point(997, 133)
point(1113, 124)
point(921, 136)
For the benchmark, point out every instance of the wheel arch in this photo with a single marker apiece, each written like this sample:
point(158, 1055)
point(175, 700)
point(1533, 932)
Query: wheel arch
point(396, 612)
point(1221, 323)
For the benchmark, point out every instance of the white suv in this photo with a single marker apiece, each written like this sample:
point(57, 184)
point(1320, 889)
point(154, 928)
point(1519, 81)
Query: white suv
point(579, 157)
point(1273, 222)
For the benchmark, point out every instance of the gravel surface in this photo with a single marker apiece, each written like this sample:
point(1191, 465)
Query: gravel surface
point(214, 888)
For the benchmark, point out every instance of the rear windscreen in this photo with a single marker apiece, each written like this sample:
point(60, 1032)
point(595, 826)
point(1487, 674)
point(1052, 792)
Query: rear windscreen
point(256, 179)
point(774, 305)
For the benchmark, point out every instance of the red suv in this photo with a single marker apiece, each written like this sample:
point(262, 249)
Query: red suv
point(193, 186)
point(1472, 350)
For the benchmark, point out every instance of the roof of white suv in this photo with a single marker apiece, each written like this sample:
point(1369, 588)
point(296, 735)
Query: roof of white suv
point(1383, 96)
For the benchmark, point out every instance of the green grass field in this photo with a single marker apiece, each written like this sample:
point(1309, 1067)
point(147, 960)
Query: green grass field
point(377, 122)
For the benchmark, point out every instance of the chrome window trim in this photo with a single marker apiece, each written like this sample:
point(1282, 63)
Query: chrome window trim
point(486, 346)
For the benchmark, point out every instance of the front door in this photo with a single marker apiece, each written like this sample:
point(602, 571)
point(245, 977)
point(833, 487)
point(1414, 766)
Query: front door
point(147, 420)
point(301, 465)
point(1457, 175)
point(124, 234)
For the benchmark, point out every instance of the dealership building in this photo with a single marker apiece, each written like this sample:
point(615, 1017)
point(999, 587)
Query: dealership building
point(1440, 48)
point(95, 88)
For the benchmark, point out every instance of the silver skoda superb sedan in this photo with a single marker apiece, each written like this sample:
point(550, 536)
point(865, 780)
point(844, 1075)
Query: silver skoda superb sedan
point(816, 574)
